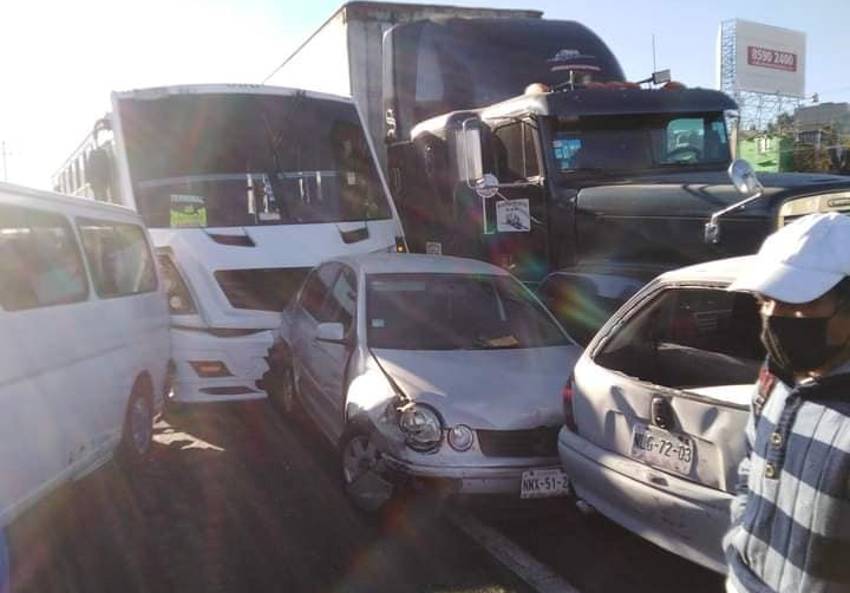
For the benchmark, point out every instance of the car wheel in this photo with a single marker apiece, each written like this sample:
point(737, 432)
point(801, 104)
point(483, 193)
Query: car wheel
point(283, 394)
point(288, 394)
point(137, 436)
point(361, 464)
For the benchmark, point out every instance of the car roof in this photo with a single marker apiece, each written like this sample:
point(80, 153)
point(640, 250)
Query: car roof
point(721, 270)
point(416, 263)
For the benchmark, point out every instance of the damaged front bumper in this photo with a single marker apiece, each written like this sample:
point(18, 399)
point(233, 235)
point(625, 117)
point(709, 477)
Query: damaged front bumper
point(495, 479)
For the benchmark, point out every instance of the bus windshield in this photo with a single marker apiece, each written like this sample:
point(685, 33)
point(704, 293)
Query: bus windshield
point(223, 160)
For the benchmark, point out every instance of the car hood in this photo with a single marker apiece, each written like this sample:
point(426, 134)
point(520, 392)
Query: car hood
point(485, 389)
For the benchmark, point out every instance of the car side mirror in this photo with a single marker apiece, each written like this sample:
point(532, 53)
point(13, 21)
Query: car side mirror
point(332, 332)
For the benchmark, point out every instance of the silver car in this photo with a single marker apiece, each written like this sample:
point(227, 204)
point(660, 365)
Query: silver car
point(655, 413)
point(425, 369)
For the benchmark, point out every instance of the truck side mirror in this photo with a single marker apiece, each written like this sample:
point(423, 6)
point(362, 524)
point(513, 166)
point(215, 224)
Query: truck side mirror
point(744, 178)
point(747, 183)
point(470, 162)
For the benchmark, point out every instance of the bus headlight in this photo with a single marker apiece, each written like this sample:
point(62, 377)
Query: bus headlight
point(179, 299)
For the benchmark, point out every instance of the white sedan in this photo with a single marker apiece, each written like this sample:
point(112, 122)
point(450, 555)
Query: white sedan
point(429, 369)
point(656, 411)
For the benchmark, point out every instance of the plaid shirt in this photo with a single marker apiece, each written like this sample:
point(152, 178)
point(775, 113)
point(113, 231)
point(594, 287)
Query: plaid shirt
point(791, 518)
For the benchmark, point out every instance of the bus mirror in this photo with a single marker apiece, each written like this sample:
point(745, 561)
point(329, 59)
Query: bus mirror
point(99, 172)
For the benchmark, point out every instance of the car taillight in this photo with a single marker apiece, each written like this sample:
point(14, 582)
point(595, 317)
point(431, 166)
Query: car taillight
point(567, 397)
point(179, 299)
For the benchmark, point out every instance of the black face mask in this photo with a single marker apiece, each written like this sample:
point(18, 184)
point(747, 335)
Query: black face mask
point(798, 344)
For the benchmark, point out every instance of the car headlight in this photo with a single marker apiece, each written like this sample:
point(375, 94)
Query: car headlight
point(461, 437)
point(422, 428)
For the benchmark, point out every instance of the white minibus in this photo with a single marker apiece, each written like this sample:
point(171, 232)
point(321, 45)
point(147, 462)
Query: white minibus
point(84, 343)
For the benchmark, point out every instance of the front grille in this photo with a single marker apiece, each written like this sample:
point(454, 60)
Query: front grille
point(265, 289)
point(536, 442)
point(799, 207)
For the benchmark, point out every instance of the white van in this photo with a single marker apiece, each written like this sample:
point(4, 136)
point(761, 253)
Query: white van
point(84, 342)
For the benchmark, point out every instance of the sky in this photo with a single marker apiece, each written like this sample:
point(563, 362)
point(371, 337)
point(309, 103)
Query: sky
point(59, 60)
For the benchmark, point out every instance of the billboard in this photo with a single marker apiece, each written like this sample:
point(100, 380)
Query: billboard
point(769, 59)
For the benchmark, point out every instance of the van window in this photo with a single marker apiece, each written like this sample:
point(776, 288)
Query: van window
point(119, 257)
point(40, 262)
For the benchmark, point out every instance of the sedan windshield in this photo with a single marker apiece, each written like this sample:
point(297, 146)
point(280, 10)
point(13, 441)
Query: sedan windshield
point(455, 312)
point(220, 160)
point(640, 142)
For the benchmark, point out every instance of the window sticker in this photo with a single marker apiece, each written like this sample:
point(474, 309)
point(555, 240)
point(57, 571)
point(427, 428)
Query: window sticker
point(433, 248)
point(378, 323)
point(188, 211)
point(513, 216)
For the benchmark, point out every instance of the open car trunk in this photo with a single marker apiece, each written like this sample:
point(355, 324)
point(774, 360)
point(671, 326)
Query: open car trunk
point(671, 386)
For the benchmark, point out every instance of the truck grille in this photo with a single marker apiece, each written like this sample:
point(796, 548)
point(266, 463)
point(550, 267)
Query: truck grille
point(797, 208)
point(536, 442)
point(265, 289)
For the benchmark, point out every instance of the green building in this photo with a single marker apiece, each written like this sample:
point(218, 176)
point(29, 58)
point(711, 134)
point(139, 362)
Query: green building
point(768, 152)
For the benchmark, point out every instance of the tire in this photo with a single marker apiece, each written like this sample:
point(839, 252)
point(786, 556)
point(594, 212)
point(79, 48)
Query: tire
point(137, 435)
point(362, 483)
point(283, 394)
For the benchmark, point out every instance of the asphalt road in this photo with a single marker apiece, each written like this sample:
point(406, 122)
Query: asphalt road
point(235, 498)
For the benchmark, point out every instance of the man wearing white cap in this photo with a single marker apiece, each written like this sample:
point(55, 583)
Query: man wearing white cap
point(791, 518)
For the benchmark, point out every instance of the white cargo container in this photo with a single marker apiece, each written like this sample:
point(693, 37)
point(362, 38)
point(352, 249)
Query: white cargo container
point(344, 56)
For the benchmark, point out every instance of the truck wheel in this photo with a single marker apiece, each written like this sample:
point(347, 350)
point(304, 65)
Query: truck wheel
point(137, 436)
point(360, 461)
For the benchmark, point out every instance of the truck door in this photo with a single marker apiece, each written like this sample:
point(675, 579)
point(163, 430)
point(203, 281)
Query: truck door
point(514, 228)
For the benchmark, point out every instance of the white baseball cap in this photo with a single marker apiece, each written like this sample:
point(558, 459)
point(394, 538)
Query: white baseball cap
point(802, 261)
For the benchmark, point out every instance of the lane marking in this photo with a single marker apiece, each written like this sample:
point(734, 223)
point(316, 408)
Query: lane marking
point(539, 576)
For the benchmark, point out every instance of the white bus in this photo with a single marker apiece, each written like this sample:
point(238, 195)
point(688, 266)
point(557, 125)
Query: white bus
point(244, 189)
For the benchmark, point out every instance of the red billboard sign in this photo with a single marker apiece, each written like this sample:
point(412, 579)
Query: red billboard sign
point(771, 58)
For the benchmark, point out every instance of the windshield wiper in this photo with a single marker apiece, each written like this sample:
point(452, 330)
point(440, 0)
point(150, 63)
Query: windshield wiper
point(276, 172)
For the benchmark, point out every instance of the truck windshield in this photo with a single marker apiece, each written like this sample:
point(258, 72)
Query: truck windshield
point(639, 142)
point(221, 160)
point(455, 312)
